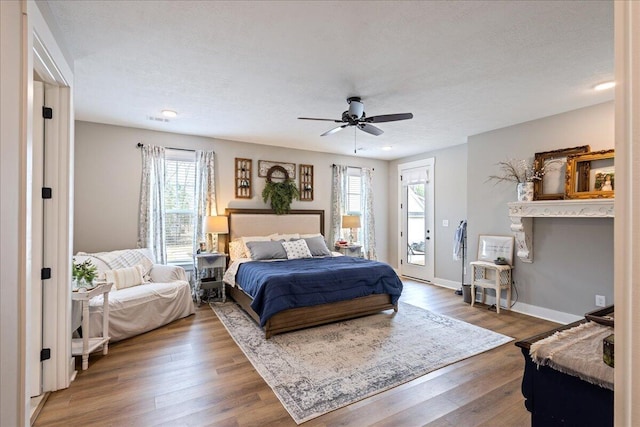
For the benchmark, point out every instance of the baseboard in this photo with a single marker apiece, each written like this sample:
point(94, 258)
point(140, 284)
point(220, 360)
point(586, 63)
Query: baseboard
point(445, 283)
point(72, 369)
point(36, 405)
point(545, 313)
point(535, 311)
point(518, 307)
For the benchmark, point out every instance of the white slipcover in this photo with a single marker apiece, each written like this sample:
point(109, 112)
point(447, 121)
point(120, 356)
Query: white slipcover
point(138, 309)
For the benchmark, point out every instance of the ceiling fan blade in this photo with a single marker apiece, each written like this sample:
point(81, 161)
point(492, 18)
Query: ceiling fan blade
point(324, 120)
point(388, 118)
point(366, 127)
point(334, 130)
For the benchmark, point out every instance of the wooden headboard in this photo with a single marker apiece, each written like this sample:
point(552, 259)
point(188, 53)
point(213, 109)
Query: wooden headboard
point(262, 222)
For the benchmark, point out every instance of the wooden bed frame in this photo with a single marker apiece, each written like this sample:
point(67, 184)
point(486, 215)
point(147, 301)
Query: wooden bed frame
point(303, 317)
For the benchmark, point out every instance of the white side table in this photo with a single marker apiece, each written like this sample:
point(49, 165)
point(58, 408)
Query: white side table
point(489, 275)
point(350, 250)
point(86, 345)
point(210, 267)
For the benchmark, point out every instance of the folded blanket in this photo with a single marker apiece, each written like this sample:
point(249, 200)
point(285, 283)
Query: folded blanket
point(577, 352)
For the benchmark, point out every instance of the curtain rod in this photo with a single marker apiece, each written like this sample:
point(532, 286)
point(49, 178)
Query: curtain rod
point(355, 167)
point(140, 145)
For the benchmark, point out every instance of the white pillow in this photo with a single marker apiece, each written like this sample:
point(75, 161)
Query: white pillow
point(306, 236)
point(297, 249)
point(125, 277)
point(285, 237)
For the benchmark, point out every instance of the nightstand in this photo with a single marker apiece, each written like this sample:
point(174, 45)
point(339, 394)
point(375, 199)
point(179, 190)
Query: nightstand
point(350, 250)
point(85, 345)
point(209, 269)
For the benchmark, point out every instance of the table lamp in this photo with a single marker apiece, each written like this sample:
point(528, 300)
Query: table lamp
point(351, 222)
point(215, 225)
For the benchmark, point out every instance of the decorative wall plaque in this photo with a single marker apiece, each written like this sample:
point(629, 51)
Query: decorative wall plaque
point(265, 165)
point(243, 178)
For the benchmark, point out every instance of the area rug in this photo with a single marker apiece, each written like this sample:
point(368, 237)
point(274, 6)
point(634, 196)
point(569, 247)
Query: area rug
point(318, 370)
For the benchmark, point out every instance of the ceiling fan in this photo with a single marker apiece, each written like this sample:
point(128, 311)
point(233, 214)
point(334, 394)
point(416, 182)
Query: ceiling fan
point(355, 116)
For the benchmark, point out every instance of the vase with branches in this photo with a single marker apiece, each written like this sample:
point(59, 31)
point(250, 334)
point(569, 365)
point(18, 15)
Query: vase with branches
point(524, 174)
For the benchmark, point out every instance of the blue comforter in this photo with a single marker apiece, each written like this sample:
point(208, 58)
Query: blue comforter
point(280, 285)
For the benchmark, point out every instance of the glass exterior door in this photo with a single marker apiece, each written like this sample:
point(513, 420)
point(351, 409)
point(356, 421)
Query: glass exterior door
point(417, 239)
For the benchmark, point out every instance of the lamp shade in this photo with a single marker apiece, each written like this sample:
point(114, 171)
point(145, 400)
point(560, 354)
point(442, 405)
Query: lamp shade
point(351, 221)
point(215, 224)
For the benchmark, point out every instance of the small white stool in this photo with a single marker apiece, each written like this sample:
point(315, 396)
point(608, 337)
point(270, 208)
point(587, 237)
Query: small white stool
point(489, 275)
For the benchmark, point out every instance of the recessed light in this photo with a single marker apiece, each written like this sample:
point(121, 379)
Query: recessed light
point(387, 147)
point(169, 113)
point(604, 85)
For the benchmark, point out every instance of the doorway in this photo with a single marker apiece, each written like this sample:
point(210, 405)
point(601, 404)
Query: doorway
point(417, 237)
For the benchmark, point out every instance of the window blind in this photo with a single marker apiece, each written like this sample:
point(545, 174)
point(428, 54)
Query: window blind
point(180, 188)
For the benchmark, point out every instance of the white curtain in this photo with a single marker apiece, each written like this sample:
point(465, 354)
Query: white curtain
point(205, 197)
point(151, 230)
point(367, 221)
point(339, 189)
point(338, 201)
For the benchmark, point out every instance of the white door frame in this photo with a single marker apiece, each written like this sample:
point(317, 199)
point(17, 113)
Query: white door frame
point(28, 47)
point(627, 213)
point(430, 211)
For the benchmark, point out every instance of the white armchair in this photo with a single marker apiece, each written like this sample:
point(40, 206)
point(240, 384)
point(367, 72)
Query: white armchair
point(162, 295)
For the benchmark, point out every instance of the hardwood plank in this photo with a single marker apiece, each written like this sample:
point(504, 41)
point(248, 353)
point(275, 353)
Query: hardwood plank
point(191, 372)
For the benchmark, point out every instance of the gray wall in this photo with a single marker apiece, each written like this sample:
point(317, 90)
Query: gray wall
point(573, 258)
point(450, 195)
point(108, 169)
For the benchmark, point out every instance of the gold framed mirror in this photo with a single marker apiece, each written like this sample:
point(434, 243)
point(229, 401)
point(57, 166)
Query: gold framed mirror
point(552, 165)
point(590, 175)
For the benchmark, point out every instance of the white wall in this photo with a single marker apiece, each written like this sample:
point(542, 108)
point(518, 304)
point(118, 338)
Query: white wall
point(573, 257)
point(108, 167)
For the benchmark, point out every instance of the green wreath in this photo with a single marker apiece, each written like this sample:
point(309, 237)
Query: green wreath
point(280, 193)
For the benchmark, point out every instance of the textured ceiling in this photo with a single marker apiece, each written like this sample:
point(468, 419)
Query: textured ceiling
point(245, 71)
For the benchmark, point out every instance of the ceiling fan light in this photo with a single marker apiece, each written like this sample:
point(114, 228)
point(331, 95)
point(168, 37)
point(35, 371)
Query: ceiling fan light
point(356, 109)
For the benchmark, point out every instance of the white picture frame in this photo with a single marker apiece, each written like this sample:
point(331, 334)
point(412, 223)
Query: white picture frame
point(490, 247)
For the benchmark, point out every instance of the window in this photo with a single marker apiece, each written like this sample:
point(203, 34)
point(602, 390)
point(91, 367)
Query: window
point(179, 202)
point(354, 191)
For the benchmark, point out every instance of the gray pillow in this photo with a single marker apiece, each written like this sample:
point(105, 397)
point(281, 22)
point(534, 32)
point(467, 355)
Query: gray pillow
point(266, 250)
point(317, 246)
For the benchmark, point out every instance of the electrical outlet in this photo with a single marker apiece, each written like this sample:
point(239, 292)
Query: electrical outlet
point(600, 301)
point(445, 222)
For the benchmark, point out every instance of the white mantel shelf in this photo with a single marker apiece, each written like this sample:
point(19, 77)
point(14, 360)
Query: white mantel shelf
point(522, 214)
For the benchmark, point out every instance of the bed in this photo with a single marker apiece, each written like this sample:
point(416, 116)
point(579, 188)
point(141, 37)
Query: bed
point(381, 295)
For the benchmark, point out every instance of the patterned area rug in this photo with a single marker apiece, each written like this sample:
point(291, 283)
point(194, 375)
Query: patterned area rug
point(318, 370)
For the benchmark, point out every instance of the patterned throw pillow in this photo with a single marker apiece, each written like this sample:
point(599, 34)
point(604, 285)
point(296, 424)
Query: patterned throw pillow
point(125, 277)
point(236, 250)
point(297, 249)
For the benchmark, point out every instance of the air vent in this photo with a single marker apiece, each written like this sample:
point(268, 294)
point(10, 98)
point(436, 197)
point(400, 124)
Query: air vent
point(157, 119)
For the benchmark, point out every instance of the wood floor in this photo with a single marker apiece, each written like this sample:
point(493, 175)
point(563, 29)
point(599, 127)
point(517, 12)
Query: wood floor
point(191, 373)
